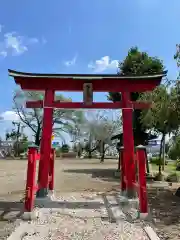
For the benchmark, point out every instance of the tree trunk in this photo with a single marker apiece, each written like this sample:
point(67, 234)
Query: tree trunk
point(37, 141)
point(159, 169)
point(90, 154)
point(79, 153)
point(102, 152)
point(147, 163)
point(38, 137)
point(79, 150)
point(160, 153)
point(163, 153)
point(18, 133)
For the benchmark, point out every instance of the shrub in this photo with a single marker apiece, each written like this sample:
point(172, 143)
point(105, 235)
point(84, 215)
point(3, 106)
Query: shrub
point(23, 155)
point(178, 165)
point(65, 148)
point(173, 177)
point(58, 152)
point(155, 160)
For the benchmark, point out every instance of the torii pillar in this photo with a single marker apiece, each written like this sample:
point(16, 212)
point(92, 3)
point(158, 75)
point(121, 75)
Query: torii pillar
point(128, 143)
point(45, 148)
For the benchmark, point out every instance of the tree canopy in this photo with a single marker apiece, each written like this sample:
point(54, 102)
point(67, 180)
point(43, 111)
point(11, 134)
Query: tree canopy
point(162, 117)
point(137, 63)
point(177, 57)
point(63, 119)
point(95, 132)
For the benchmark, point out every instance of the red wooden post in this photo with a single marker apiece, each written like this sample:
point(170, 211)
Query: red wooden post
point(31, 177)
point(45, 149)
point(123, 170)
point(128, 142)
point(51, 170)
point(141, 158)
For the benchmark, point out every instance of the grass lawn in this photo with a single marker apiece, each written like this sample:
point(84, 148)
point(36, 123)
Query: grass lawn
point(169, 168)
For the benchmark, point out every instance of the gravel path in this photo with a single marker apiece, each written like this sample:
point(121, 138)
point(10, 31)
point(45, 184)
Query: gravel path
point(86, 216)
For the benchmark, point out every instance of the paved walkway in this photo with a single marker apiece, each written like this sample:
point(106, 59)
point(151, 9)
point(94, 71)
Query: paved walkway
point(86, 216)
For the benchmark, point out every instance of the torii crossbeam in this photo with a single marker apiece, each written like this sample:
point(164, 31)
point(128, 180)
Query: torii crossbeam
point(94, 105)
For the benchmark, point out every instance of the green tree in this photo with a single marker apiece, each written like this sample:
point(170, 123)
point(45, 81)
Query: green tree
point(162, 117)
point(176, 93)
point(63, 119)
point(174, 151)
point(177, 57)
point(137, 63)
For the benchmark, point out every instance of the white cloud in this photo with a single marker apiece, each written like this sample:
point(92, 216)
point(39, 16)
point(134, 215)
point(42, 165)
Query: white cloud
point(3, 53)
point(33, 40)
point(71, 62)
point(9, 116)
point(15, 44)
point(103, 64)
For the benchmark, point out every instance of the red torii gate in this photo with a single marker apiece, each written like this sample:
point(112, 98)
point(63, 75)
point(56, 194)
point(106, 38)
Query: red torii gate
point(96, 83)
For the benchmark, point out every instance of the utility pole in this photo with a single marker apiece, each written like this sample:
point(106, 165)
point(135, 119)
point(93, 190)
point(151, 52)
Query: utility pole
point(18, 124)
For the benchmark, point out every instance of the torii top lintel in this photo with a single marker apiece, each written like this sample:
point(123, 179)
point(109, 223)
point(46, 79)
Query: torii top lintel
point(74, 82)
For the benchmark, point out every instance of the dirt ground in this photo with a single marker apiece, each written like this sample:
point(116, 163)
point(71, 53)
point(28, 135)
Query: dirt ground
point(85, 175)
point(70, 176)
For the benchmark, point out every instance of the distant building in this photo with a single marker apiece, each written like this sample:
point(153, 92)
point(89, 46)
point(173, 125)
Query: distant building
point(153, 146)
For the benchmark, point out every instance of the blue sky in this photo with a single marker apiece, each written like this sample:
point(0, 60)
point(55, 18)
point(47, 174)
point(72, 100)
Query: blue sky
point(82, 36)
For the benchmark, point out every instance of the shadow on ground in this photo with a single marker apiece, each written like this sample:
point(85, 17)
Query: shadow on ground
point(103, 174)
point(165, 206)
point(10, 211)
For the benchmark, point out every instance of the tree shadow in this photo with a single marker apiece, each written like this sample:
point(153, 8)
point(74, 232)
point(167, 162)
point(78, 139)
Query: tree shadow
point(10, 211)
point(103, 174)
point(164, 205)
point(14, 210)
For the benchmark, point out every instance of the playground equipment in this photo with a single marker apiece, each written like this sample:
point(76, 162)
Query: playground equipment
point(88, 83)
point(31, 186)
